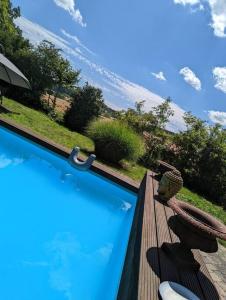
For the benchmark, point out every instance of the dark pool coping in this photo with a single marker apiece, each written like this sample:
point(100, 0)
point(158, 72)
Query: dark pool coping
point(128, 289)
point(97, 167)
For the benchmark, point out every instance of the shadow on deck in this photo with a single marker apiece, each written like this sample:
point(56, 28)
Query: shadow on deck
point(146, 264)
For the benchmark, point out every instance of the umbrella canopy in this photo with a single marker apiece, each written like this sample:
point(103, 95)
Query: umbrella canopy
point(11, 74)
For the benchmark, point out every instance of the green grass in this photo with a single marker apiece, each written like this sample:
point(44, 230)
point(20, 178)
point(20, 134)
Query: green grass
point(40, 123)
point(136, 172)
point(205, 205)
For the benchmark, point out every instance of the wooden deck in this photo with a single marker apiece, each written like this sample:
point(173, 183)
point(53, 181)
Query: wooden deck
point(155, 266)
point(146, 265)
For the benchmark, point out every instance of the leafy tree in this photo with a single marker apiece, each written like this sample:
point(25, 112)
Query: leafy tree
point(46, 69)
point(155, 146)
point(137, 120)
point(10, 35)
point(152, 126)
point(190, 145)
point(86, 105)
point(213, 166)
point(44, 66)
point(162, 114)
point(153, 121)
point(7, 15)
point(56, 71)
point(11, 38)
point(200, 154)
point(139, 107)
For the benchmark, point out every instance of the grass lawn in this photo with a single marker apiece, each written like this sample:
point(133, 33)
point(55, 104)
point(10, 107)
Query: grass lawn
point(205, 205)
point(40, 123)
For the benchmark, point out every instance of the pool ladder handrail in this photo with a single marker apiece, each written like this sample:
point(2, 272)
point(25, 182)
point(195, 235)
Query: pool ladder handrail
point(80, 165)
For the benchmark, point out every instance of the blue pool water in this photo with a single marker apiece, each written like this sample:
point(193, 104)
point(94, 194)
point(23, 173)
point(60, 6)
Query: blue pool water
point(63, 233)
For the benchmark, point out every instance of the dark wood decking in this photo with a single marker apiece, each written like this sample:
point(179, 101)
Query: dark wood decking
point(154, 265)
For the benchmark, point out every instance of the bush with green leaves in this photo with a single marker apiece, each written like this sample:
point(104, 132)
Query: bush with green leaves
point(153, 121)
point(155, 147)
point(87, 104)
point(201, 158)
point(115, 141)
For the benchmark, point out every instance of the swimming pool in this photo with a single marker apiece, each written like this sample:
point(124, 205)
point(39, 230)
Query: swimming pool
point(63, 233)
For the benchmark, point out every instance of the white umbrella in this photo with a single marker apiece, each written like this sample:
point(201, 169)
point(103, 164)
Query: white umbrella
point(11, 74)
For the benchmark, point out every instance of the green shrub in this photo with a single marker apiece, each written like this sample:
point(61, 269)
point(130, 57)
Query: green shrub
point(115, 141)
point(87, 105)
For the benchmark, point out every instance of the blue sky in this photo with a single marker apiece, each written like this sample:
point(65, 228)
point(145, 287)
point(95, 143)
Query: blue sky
point(141, 50)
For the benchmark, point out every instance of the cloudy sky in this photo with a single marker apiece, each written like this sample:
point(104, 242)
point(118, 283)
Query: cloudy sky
point(141, 50)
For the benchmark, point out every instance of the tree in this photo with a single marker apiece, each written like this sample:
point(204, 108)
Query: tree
point(190, 145)
point(201, 157)
point(10, 35)
point(56, 71)
point(153, 121)
point(152, 126)
point(212, 166)
point(7, 15)
point(86, 105)
point(156, 136)
point(11, 39)
point(162, 114)
point(46, 69)
point(44, 66)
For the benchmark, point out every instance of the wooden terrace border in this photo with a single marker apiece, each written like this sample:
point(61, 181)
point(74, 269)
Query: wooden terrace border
point(146, 264)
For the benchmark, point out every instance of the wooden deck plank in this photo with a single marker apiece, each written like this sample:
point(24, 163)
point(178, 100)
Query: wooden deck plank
point(168, 272)
point(149, 260)
point(155, 266)
point(187, 278)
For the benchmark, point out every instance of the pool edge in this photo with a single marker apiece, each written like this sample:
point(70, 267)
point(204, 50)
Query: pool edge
point(128, 288)
point(65, 152)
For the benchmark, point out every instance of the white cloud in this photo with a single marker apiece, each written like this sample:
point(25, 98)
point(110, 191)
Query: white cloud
point(78, 50)
point(191, 78)
point(123, 92)
point(218, 13)
point(38, 33)
point(219, 74)
point(187, 2)
point(77, 41)
point(159, 76)
point(69, 6)
point(217, 117)
point(195, 4)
